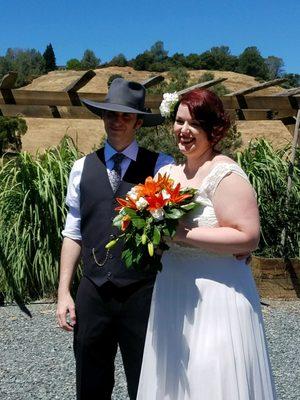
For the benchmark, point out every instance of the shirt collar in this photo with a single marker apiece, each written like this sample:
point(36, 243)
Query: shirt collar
point(130, 151)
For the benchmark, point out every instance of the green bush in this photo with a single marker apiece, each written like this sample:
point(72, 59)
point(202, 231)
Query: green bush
point(11, 131)
point(268, 171)
point(32, 213)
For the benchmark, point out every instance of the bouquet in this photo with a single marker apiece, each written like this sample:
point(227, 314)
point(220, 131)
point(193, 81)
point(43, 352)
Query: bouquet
point(148, 215)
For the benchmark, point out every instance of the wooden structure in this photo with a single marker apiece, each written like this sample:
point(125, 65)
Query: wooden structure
point(66, 103)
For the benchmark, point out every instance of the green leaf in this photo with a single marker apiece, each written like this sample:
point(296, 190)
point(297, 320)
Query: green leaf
point(170, 229)
point(130, 212)
point(127, 258)
point(138, 222)
point(156, 236)
point(174, 214)
point(189, 206)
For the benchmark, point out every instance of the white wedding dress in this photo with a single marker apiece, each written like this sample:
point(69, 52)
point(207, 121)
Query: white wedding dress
point(205, 337)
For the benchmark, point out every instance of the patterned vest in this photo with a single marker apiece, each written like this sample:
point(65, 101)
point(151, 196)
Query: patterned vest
point(97, 208)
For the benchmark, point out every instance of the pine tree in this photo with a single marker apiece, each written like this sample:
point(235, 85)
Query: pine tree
point(89, 60)
point(49, 58)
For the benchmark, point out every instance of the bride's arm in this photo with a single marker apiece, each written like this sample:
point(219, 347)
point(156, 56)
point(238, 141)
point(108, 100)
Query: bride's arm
point(237, 214)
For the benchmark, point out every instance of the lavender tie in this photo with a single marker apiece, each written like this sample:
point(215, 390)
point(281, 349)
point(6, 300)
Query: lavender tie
point(115, 174)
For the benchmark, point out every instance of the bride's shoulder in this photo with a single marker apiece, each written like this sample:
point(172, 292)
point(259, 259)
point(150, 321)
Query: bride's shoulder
point(222, 159)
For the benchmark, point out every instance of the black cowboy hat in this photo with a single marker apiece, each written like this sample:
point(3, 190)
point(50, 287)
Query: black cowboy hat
point(127, 97)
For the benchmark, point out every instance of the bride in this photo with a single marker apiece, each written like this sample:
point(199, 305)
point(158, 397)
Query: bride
point(205, 337)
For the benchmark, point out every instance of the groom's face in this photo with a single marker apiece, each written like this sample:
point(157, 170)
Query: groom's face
point(121, 127)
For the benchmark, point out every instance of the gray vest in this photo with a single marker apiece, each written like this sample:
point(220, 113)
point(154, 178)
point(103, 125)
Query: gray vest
point(97, 210)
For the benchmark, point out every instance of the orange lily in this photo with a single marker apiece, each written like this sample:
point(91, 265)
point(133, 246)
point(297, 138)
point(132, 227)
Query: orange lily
point(125, 203)
point(176, 197)
point(165, 182)
point(149, 188)
point(155, 202)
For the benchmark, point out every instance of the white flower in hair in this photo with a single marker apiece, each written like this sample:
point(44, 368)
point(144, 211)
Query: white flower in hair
point(167, 105)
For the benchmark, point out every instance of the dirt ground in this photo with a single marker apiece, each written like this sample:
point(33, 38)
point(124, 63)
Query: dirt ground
point(43, 133)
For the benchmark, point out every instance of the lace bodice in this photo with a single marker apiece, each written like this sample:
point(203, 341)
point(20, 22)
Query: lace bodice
point(204, 215)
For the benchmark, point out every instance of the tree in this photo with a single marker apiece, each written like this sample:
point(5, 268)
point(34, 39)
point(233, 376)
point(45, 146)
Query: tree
point(158, 52)
point(155, 59)
point(193, 61)
point(11, 130)
point(223, 59)
point(49, 57)
point(251, 62)
point(143, 61)
point(119, 61)
point(74, 64)
point(207, 60)
point(29, 64)
point(275, 66)
point(89, 60)
point(5, 66)
point(293, 80)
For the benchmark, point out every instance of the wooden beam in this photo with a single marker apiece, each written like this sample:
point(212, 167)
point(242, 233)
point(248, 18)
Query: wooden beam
point(36, 97)
point(255, 88)
point(289, 92)
point(202, 85)
point(80, 81)
point(155, 80)
point(8, 81)
point(78, 84)
point(6, 84)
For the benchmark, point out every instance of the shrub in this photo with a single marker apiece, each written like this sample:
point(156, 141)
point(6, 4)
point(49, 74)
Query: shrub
point(268, 171)
point(32, 212)
point(11, 131)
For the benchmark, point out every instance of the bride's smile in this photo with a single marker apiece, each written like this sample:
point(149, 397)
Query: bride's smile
point(191, 138)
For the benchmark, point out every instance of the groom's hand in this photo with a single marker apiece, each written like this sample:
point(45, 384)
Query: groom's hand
point(65, 313)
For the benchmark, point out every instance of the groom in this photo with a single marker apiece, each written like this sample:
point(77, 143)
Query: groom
point(112, 303)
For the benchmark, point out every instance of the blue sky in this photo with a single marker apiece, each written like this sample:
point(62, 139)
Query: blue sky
point(132, 26)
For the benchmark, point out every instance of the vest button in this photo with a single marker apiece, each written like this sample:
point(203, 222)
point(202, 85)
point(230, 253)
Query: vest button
point(109, 274)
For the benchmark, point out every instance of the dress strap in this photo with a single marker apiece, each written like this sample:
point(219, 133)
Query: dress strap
point(219, 172)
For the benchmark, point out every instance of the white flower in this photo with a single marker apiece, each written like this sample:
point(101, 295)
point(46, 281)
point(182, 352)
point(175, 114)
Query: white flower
point(158, 214)
point(133, 194)
point(167, 105)
point(165, 194)
point(141, 203)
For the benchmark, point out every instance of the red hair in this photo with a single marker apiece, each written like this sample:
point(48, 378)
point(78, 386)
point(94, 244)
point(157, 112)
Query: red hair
point(207, 108)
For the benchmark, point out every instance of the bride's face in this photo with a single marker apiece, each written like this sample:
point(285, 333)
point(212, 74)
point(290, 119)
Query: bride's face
point(191, 138)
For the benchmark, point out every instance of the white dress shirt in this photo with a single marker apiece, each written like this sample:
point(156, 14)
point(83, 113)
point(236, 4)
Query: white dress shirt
point(72, 226)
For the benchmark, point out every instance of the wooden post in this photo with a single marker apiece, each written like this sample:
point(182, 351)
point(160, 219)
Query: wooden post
point(7, 83)
point(202, 85)
point(255, 88)
point(78, 84)
point(240, 95)
point(289, 92)
point(155, 80)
